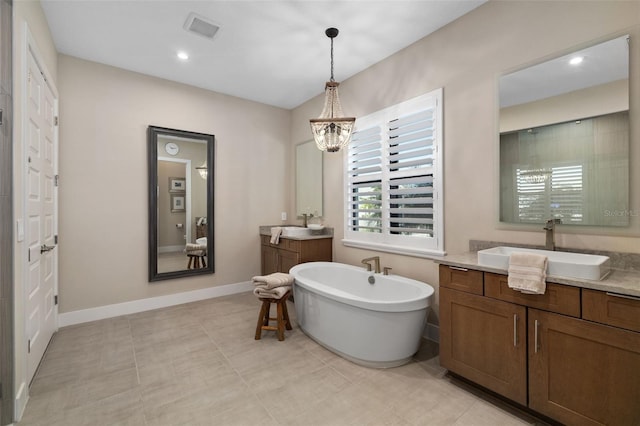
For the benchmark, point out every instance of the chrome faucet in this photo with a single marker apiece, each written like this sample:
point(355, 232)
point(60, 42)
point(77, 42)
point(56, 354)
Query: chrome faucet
point(550, 227)
point(376, 261)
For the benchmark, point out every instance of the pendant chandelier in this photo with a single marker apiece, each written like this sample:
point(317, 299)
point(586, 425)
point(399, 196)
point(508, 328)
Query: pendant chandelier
point(203, 170)
point(332, 130)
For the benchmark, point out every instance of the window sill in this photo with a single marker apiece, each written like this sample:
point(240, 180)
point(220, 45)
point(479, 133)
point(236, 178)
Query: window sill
point(407, 251)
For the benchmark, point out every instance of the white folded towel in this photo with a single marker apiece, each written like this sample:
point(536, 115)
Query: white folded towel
point(273, 293)
point(277, 279)
point(527, 272)
point(275, 234)
point(191, 248)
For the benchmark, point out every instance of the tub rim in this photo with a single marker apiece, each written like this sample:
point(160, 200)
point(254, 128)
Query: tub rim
point(423, 301)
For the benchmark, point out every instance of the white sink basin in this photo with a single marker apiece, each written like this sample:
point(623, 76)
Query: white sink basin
point(559, 263)
point(295, 231)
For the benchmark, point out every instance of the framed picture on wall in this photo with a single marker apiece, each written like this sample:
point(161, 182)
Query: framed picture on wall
point(177, 203)
point(177, 184)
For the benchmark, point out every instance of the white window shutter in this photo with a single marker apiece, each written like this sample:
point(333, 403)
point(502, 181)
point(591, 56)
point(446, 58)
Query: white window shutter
point(393, 177)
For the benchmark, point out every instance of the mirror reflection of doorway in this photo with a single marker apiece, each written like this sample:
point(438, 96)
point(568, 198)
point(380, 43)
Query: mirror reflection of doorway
point(174, 207)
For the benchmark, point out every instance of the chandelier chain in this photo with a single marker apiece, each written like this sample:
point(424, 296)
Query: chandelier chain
point(332, 79)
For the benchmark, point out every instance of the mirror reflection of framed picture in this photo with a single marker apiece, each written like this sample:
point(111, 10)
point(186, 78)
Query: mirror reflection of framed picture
point(177, 184)
point(177, 203)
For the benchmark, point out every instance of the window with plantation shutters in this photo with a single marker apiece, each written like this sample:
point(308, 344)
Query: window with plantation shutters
point(558, 193)
point(393, 179)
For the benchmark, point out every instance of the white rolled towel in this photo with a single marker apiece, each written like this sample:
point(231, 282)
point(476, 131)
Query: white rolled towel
point(277, 279)
point(271, 293)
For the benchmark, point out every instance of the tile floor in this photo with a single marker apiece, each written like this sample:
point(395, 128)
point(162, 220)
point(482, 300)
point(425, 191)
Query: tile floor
point(173, 261)
point(198, 364)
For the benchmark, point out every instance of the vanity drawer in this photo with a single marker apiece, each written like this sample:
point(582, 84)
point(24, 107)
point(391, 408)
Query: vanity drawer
point(612, 309)
point(461, 279)
point(558, 298)
point(293, 245)
point(284, 243)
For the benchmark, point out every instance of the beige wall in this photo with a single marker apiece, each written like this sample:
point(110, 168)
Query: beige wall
point(466, 58)
point(104, 114)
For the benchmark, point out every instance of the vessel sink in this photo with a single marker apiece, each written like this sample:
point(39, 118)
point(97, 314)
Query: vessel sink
point(295, 231)
point(559, 263)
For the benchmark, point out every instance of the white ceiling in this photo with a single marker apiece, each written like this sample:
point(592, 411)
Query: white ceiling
point(269, 51)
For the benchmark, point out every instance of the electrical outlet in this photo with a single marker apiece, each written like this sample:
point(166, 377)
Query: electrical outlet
point(283, 215)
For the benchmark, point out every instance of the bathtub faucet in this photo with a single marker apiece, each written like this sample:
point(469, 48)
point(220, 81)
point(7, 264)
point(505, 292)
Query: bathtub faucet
point(376, 260)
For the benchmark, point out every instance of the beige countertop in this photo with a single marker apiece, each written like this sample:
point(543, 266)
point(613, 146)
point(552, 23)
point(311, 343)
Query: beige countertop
point(618, 281)
point(316, 235)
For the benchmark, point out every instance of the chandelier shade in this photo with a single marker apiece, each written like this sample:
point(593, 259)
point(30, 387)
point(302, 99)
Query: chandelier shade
point(332, 131)
point(203, 170)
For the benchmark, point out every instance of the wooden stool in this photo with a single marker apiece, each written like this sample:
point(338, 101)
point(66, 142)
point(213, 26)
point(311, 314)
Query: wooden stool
point(195, 261)
point(282, 316)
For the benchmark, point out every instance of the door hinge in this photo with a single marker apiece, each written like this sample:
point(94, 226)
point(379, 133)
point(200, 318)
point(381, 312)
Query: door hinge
point(29, 346)
point(55, 120)
point(55, 300)
point(29, 255)
point(55, 239)
point(56, 180)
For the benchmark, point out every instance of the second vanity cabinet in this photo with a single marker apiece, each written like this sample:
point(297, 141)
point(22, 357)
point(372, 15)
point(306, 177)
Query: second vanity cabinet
point(289, 252)
point(571, 354)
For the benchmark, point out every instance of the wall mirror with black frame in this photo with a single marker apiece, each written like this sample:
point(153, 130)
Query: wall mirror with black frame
point(181, 232)
point(308, 180)
point(564, 139)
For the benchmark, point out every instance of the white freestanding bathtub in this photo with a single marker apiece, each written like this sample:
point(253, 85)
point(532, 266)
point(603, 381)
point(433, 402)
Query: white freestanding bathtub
point(376, 325)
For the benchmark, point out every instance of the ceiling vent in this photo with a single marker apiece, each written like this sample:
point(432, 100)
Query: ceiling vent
point(200, 25)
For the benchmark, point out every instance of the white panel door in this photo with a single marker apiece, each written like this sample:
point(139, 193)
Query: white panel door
point(41, 196)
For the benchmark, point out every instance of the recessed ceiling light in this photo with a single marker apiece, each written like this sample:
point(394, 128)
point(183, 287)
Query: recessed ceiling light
point(183, 56)
point(576, 60)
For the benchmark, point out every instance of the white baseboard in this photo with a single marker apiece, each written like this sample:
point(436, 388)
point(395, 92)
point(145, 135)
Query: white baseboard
point(141, 305)
point(171, 249)
point(20, 402)
point(432, 332)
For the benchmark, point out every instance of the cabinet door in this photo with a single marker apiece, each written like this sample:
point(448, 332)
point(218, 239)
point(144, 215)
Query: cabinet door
point(288, 259)
point(484, 340)
point(269, 260)
point(316, 250)
point(582, 373)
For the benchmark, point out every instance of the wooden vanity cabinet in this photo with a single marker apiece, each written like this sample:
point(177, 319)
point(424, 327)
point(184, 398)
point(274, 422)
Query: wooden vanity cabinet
point(287, 253)
point(572, 354)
